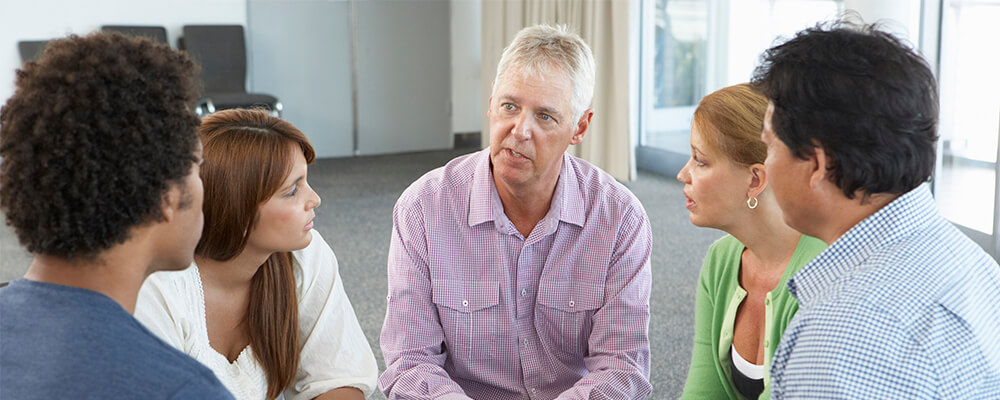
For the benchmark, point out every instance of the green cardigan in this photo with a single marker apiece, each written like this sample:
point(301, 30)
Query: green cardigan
point(719, 296)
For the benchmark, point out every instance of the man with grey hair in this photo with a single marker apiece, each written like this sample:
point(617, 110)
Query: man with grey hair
point(519, 271)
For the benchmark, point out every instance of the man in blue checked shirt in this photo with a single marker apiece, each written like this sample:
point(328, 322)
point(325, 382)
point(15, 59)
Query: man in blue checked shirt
point(901, 305)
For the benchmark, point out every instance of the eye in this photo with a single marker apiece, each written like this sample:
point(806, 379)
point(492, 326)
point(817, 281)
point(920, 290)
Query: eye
point(291, 193)
point(697, 161)
point(508, 107)
point(545, 117)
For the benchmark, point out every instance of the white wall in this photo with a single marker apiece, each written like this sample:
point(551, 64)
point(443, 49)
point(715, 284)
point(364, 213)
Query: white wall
point(302, 54)
point(901, 17)
point(403, 76)
point(466, 58)
point(47, 19)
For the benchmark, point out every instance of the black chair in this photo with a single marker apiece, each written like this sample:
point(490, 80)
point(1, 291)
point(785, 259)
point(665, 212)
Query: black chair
point(157, 33)
point(30, 50)
point(221, 51)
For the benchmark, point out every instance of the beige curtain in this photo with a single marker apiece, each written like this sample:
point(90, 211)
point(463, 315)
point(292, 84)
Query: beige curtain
point(604, 24)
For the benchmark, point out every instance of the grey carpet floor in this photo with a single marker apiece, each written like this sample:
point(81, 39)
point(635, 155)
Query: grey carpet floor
point(355, 218)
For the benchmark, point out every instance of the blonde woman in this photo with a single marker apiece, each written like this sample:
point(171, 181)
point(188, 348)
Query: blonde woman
point(743, 304)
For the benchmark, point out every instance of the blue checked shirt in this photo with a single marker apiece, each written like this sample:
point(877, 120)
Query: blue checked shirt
point(903, 306)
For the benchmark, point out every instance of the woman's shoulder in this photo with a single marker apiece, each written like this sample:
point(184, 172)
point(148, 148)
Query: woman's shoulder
point(171, 284)
point(808, 248)
point(316, 262)
point(724, 250)
point(811, 246)
point(722, 257)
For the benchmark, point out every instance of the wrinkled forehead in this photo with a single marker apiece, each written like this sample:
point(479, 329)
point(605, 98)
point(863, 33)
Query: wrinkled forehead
point(553, 91)
point(552, 79)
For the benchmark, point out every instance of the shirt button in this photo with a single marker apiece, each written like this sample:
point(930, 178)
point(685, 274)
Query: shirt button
point(465, 303)
point(767, 344)
point(532, 390)
point(525, 342)
point(572, 303)
point(524, 292)
point(767, 302)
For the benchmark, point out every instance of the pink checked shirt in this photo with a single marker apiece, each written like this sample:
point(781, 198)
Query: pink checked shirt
point(477, 310)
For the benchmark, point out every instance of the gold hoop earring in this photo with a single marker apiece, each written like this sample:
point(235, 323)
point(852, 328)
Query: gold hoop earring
point(752, 202)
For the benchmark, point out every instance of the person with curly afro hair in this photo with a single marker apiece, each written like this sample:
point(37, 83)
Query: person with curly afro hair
point(99, 181)
point(901, 305)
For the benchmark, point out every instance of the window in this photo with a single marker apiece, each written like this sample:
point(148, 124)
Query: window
point(677, 41)
point(970, 113)
point(690, 48)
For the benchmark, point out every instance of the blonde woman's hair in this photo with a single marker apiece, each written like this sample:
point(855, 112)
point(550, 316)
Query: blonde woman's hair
point(730, 121)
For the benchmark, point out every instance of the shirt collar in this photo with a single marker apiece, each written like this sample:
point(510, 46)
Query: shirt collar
point(567, 200)
point(904, 215)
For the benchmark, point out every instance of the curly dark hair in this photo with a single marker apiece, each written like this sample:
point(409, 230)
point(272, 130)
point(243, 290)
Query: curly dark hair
point(98, 129)
point(862, 95)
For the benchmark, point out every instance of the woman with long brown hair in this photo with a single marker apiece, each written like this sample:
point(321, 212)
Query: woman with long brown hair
point(263, 305)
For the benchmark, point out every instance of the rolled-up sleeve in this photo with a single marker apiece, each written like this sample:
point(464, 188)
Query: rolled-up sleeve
point(334, 350)
point(618, 360)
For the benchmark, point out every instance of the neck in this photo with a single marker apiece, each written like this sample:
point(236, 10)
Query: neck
point(527, 205)
point(766, 236)
point(234, 273)
point(116, 273)
point(843, 214)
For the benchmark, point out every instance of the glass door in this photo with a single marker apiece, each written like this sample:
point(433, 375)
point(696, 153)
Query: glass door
point(965, 183)
point(690, 48)
point(674, 64)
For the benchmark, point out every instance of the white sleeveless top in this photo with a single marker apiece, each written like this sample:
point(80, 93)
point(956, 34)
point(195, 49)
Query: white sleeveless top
point(334, 351)
point(747, 368)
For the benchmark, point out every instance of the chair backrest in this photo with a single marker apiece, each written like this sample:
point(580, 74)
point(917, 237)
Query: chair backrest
point(30, 50)
point(222, 53)
point(157, 33)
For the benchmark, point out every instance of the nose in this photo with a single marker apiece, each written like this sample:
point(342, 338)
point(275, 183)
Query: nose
point(523, 127)
point(313, 200)
point(684, 175)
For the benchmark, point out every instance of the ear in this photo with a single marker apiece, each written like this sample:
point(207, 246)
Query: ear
point(581, 126)
point(758, 180)
point(171, 203)
point(820, 167)
point(489, 103)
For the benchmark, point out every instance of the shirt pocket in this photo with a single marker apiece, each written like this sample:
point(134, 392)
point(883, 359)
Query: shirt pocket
point(565, 314)
point(468, 312)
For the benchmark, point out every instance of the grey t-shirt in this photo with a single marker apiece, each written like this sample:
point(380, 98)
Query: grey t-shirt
point(64, 342)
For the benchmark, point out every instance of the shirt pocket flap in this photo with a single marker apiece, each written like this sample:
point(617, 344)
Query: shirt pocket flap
point(465, 296)
point(570, 296)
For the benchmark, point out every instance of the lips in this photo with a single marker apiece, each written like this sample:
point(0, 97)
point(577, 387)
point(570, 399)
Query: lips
point(515, 154)
point(688, 203)
point(308, 226)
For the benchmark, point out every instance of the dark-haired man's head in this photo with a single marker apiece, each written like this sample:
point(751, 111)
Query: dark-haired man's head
point(851, 107)
point(99, 140)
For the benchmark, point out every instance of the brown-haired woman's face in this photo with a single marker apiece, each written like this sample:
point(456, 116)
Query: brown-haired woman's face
point(715, 187)
point(285, 221)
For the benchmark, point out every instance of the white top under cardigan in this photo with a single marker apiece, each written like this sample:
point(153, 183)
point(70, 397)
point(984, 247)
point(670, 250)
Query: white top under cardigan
point(334, 352)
